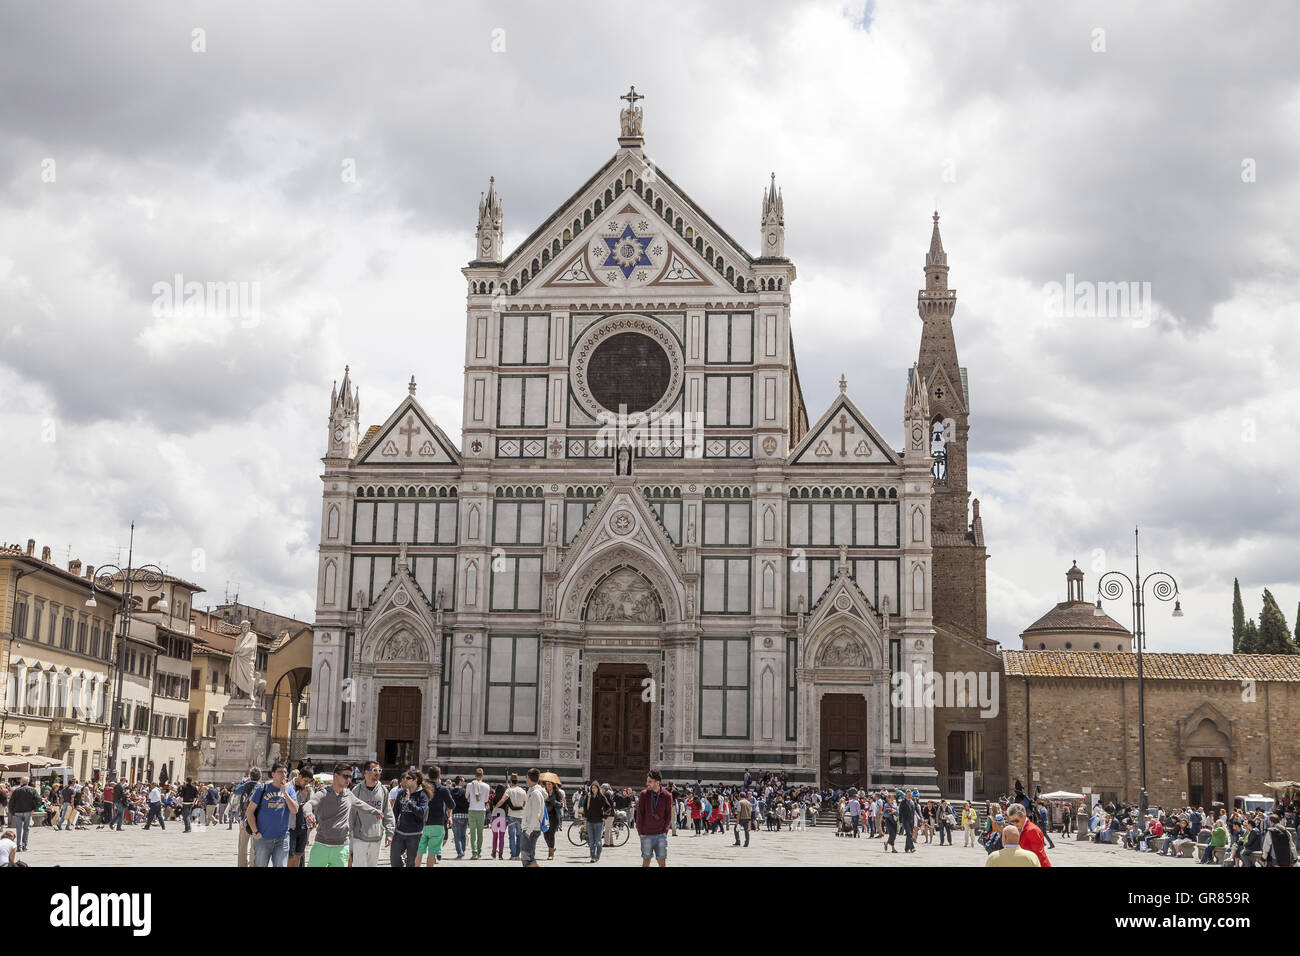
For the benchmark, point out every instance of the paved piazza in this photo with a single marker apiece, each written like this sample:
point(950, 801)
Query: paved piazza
point(817, 846)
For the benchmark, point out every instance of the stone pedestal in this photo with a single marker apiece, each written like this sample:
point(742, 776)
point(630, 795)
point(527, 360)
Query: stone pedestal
point(1081, 821)
point(241, 740)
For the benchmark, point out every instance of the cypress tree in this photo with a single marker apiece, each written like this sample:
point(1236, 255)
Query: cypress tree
point(1274, 635)
point(1250, 638)
point(1238, 617)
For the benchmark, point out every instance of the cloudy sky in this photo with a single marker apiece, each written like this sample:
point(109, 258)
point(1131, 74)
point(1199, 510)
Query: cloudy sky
point(1156, 146)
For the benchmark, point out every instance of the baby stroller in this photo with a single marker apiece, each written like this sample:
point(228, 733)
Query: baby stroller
point(844, 823)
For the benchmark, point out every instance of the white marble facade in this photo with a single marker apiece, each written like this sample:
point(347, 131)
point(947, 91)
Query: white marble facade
point(748, 565)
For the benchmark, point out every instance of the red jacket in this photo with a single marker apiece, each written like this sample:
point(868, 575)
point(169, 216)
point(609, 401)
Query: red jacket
point(1031, 839)
point(654, 812)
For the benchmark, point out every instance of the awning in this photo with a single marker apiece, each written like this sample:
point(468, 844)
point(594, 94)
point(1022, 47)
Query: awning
point(25, 761)
point(1062, 795)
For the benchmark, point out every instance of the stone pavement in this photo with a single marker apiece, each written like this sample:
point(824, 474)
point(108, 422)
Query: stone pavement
point(817, 846)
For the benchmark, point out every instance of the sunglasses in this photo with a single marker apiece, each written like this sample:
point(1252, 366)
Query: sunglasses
point(345, 776)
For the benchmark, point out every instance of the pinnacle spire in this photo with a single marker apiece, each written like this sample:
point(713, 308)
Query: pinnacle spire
point(936, 256)
point(773, 205)
point(488, 233)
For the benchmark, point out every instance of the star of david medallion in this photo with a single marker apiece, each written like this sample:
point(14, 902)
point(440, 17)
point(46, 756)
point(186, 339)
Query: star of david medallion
point(627, 251)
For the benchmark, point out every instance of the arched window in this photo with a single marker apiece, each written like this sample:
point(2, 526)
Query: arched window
point(939, 452)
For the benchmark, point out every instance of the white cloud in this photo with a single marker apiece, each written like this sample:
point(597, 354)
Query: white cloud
point(1045, 159)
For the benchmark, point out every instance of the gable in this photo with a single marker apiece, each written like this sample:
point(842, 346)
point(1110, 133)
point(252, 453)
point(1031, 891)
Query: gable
point(843, 436)
point(409, 437)
point(683, 246)
point(631, 249)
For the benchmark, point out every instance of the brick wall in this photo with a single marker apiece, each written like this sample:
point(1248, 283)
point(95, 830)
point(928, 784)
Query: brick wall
point(959, 587)
point(953, 654)
point(1085, 733)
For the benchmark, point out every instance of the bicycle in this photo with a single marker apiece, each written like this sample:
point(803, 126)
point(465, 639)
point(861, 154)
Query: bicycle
point(617, 832)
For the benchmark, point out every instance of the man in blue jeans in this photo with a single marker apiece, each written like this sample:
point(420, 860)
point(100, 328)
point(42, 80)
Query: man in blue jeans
point(654, 817)
point(272, 807)
point(22, 804)
point(119, 805)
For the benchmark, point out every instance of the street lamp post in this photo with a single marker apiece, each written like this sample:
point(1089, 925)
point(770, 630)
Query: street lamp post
point(13, 623)
point(1163, 588)
point(151, 578)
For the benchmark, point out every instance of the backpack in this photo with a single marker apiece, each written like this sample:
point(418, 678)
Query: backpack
point(546, 818)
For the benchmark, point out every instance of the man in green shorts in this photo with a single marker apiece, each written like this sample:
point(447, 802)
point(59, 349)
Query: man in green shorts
point(330, 811)
point(437, 821)
point(478, 793)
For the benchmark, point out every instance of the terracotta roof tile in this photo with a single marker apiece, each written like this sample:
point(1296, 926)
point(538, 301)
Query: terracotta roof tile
point(1119, 664)
point(1077, 616)
point(370, 433)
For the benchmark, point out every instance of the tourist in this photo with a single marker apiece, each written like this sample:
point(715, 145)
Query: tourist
point(1030, 836)
point(68, 798)
point(1045, 825)
point(854, 810)
point(271, 810)
point(1277, 848)
point(240, 798)
point(968, 820)
point(992, 837)
point(1251, 843)
point(554, 811)
point(500, 823)
point(437, 822)
point(459, 816)
point(366, 830)
point(23, 802)
point(907, 818)
point(1011, 853)
point(189, 797)
point(1218, 841)
point(121, 797)
point(331, 810)
point(513, 801)
point(889, 819)
point(409, 811)
point(946, 819)
point(477, 794)
point(654, 817)
point(232, 806)
point(211, 804)
point(298, 831)
point(155, 809)
point(744, 814)
point(596, 806)
point(533, 820)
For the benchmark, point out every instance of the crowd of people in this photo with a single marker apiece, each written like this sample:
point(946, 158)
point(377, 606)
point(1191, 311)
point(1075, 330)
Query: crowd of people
point(355, 816)
point(1240, 838)
point(72, 804)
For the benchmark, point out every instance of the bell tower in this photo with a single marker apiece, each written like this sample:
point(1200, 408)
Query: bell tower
point(945, 381)
point(957, 530)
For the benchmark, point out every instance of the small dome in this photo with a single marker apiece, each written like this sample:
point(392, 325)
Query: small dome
point(1074, 619)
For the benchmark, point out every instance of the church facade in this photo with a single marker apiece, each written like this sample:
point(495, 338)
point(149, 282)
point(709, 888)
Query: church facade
point(642, 553)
